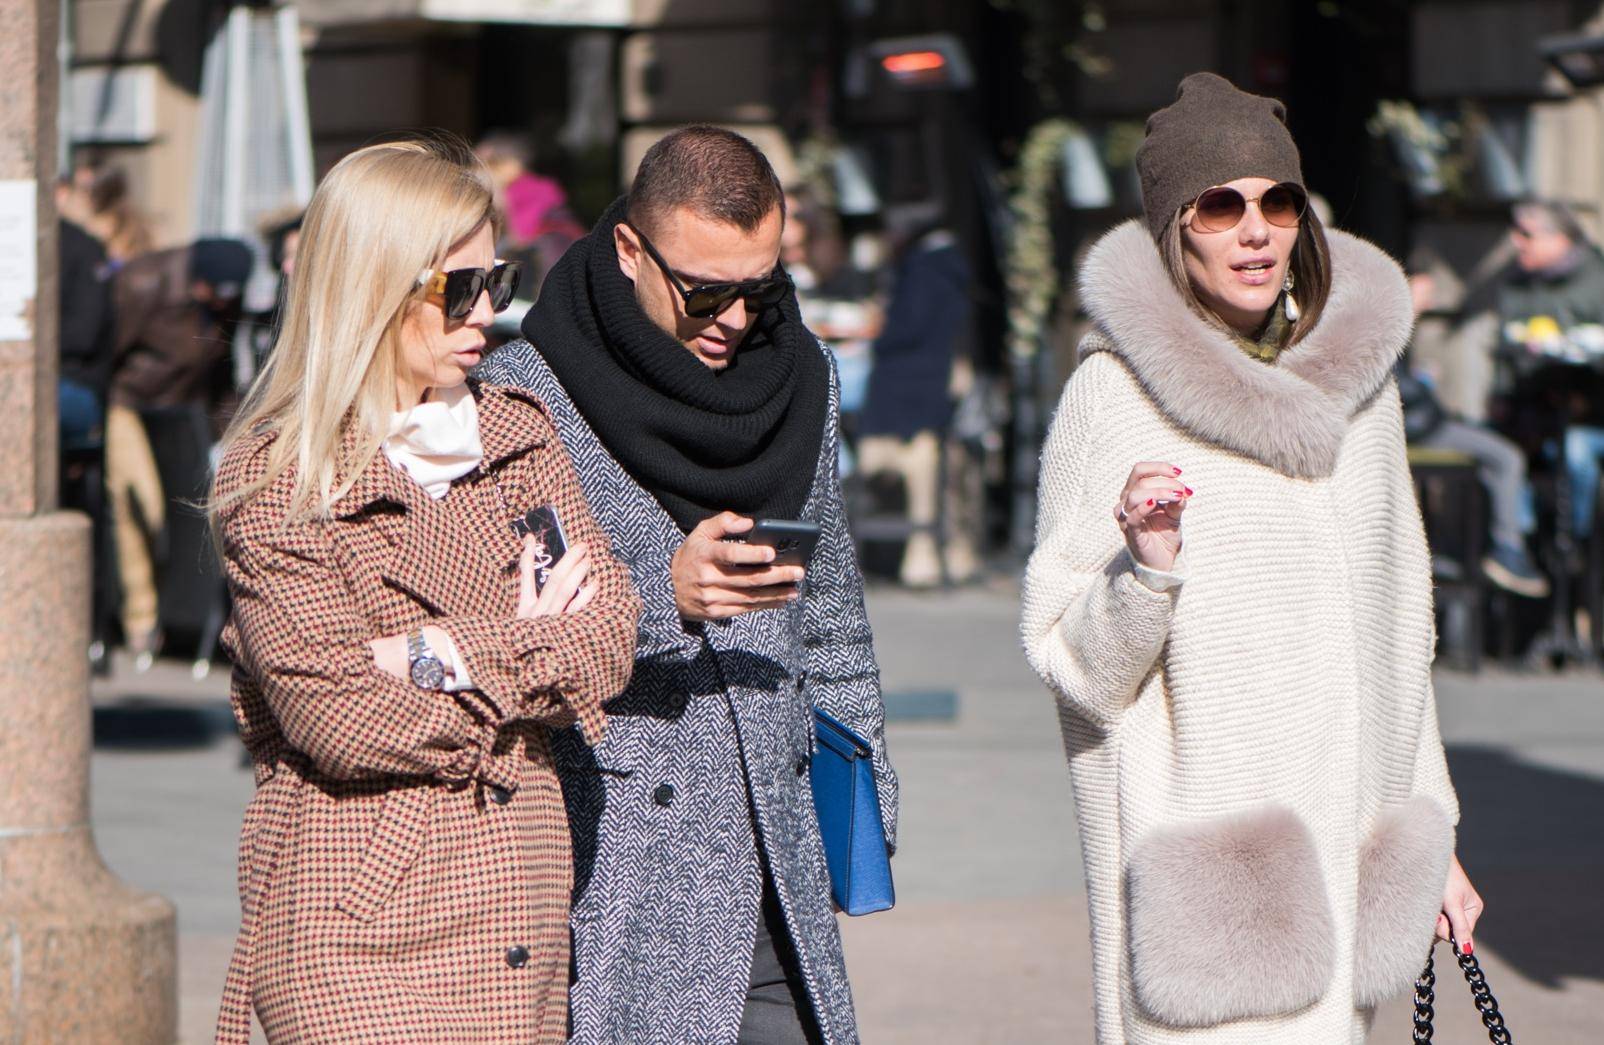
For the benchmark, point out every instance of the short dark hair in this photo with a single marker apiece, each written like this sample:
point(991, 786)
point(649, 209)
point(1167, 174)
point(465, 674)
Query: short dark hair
point(1556, 215)
point(713, 172)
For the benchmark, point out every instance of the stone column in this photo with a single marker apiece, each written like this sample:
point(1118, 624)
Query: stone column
point(83, 957)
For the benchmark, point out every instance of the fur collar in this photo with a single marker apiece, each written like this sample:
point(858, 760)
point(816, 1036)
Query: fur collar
point(1292, 415)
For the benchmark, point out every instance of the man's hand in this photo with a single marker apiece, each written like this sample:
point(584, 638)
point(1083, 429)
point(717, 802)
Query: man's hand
point(715, 579)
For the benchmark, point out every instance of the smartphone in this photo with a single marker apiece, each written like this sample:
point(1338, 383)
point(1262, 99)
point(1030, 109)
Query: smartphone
point(793, 540)
point(551, 544)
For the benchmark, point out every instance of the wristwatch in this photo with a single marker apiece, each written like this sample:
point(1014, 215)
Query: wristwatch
point(427, 671)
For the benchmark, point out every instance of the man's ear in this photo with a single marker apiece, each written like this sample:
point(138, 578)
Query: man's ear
point(629, 251)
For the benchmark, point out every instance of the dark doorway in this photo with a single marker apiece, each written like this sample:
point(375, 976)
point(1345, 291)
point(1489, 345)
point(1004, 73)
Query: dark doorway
point(1344, 59)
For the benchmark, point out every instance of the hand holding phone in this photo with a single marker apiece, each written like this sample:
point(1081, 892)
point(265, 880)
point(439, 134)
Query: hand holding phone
point(718, 575)
point(551, 575)
point(793, 540)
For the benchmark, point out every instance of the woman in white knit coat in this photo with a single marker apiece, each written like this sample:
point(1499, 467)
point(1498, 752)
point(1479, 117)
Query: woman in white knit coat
point(1246, 698)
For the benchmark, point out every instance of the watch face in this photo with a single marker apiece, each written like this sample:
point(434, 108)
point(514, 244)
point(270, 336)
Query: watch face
point(428, 673)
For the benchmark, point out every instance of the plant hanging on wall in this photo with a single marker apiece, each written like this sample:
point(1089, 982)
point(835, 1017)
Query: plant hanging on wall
point(1031, 271)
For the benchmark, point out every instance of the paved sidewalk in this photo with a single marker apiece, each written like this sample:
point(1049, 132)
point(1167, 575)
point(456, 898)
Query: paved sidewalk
point(988, 940)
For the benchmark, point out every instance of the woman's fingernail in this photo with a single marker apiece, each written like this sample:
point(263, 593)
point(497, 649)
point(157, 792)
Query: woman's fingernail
point(1188, 491)
point(1150, 502)
point(1469, 947)
point(1177, 471)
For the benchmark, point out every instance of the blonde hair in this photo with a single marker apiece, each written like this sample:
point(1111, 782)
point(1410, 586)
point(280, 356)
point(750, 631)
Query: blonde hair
point(383, 215)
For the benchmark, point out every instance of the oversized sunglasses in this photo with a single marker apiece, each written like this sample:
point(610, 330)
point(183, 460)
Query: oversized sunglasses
point(1220, 208)
point(461, 287)
point(709, 299)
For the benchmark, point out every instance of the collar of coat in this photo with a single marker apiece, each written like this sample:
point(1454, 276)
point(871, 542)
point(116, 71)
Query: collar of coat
point(1291, 415)
point(511, 422)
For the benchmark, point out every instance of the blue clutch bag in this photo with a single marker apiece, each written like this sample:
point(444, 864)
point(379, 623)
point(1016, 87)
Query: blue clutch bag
point(848, 808)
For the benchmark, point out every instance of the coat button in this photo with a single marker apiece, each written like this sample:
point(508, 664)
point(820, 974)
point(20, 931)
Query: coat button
point(664, 794)
point(801, 766)
point(500, 795)
point(517, 956)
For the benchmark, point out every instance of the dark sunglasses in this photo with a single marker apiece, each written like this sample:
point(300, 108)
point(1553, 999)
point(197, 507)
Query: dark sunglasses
point(709, 299)
point(461, 287)
point(1220, 208)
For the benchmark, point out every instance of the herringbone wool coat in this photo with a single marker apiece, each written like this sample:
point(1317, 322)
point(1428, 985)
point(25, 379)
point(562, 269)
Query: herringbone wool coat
point(715, 727)
point(405, 865)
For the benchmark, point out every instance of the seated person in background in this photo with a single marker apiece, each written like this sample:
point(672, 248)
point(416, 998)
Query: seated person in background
point(909, 404)
point(1500, 466)
point(1552, 311)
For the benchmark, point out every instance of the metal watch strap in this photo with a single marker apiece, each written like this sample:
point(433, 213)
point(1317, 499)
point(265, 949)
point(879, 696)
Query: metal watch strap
point(423, 664)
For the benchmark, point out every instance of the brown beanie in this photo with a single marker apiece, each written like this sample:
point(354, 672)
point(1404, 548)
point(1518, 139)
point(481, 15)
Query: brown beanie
point(1211, 134)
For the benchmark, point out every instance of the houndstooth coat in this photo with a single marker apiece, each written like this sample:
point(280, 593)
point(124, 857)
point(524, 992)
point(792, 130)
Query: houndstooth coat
point(404, 864)
point(715, 726)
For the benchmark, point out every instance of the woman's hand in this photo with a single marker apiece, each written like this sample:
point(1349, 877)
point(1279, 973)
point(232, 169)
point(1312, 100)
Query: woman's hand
point(565, 590)
point(1461, 907)
point(390, 654)
point(1149, 513)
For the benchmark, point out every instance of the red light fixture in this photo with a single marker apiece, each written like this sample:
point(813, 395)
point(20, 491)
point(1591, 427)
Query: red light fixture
point(910, 63)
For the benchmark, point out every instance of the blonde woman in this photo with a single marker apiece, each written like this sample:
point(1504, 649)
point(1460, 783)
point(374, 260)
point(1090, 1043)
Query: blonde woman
point(1231, 597)
point(405, 864)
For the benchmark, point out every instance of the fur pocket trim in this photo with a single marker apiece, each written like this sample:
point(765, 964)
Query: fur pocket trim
point(1402, 868)
point(1229, 919)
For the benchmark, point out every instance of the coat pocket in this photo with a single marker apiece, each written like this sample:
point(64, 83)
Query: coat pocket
point(397, 838)
point(1229, 919)
point(1402, 869)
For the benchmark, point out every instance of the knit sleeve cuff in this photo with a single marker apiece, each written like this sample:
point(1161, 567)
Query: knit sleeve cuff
point(1161, 581)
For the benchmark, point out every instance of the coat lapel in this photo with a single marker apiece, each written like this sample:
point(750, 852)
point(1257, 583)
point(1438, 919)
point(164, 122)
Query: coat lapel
point(1291, 416)
point(425, 554)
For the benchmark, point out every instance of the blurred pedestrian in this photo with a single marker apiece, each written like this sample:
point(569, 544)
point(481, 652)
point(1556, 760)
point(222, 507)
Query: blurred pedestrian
point(176, 311)
point(281, 233)
point(909, 405)
point(538, 225)
point(405, 861)
point(1500, 466)
point(108, 212)
point(669, 347)
point(87, 329)
point(1265, 809)
point(838, 301)
point(1552, 310)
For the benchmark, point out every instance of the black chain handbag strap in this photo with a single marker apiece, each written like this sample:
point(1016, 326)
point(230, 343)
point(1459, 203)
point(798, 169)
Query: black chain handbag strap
point(1486, 1004)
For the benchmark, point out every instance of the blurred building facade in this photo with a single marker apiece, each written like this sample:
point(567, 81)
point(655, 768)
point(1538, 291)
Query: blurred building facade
point(1419, 120)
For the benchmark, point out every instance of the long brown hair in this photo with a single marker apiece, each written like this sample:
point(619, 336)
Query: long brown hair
point(1310, 268)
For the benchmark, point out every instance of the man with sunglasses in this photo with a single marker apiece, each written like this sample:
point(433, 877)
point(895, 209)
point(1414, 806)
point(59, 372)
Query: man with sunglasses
point(668, 346)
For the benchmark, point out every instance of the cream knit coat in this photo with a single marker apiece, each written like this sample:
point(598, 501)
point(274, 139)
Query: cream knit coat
point(1264, 808)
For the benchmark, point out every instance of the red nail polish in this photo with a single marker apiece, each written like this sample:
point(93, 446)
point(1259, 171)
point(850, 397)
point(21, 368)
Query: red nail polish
point(1177, 471)
point(1469, 947)
point(1150, 502)
point(1188, 491)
